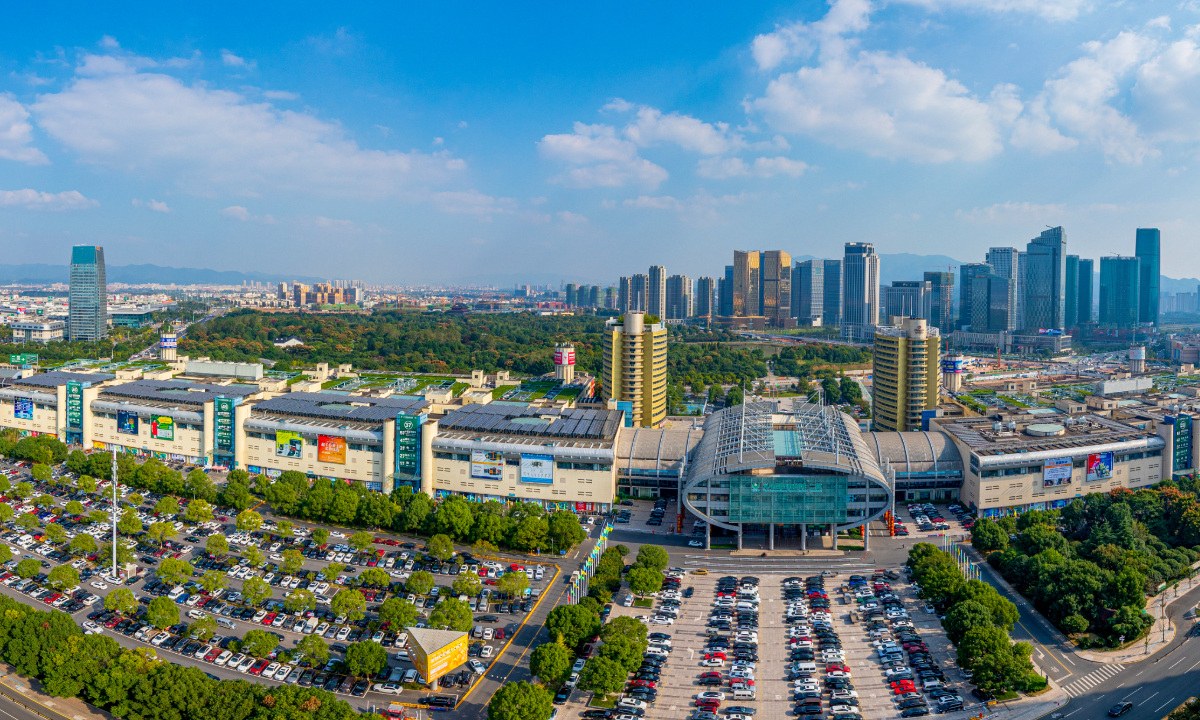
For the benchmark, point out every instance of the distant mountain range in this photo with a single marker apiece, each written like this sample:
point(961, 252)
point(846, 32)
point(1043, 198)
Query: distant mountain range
point(144, 275)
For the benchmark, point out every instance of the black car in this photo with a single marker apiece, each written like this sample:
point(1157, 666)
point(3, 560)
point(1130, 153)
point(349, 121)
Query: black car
point(982, 696)
point(1120, 709)
point(562, 696)
point(915, 712)
point(808, 710)
point(597, 714)
point(915, 702)
point(740, 710)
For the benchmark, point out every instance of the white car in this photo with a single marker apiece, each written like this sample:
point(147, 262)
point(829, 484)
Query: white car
point(92, 628)
point(844, 694)
point(839, 708)
point(711, 695)
point(572, 681)
point(479, 668)
point(336, 534)
point(714, 662)
point(695, 543)
point(99, 585)
point(485, 652)
point(388, 688)
point(283, 671)
point(742, 674)
point(578, 666)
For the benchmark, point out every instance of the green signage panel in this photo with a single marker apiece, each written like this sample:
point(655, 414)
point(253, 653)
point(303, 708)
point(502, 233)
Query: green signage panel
point(23, 359)
point(74, 405)
point(223, 424)
point(408, 443)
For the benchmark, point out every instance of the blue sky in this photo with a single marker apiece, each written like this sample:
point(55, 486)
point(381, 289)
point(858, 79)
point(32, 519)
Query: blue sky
point(439, 144)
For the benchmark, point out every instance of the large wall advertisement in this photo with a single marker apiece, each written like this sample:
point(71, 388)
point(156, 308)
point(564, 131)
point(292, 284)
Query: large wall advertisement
point(537, 469)
point(408, 444)
point(331, 449)
point(162, 428)
point(75, 405)
point(127, 422)
point(1056, 471)
point(432, 665)
point(487, 465)
point(1099, 467)
point(223, 425)
point(289, 444)
point(23, 408)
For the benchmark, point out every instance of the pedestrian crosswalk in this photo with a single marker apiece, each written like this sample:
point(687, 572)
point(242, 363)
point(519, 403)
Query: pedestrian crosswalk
point(1094, 679)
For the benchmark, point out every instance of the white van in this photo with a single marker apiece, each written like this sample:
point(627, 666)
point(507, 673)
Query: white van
point(310, 625)
point(226, 623)
point(744, 695)
point(175, 592)
point(804, 668)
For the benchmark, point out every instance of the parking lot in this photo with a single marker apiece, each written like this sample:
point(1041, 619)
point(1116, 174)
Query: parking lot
point(924, 519)
point(390, 560)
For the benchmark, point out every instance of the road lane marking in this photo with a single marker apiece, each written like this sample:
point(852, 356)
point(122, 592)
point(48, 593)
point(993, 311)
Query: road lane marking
point(1160, 707)
point(1177, 662)
point(1147, 699)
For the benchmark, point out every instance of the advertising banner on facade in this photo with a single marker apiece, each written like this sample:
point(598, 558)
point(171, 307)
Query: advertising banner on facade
point(1099, 467)
point(1056, 471)
point(169, 342)
point(289, 444)
point(331, 449)
point(127, 422)
point(23, 408)
point(162, 428)
point(537, 469)
point(75, 405)
point(223, 425)
point(23, 359)
point(436, 651)
point(487, 465)
point(408, 444)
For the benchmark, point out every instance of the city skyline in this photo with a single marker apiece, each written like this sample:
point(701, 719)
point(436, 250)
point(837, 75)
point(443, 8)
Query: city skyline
point(373, 156)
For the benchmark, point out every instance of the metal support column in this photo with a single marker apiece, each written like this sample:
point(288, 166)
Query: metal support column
point(804, 537)
point(739, 536)
point(833, 532)
point(866, 536)
point(771, 536)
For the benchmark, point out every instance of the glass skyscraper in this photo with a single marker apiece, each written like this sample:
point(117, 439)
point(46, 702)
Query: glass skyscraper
point(1119, 292)
point(860, 291)
point(1046, 281)
point(88, 313)
point(808, 290)
point(1084, 282)
point(831, 308)
point(1072, 303)
point(1146, 249)
point(941, 303)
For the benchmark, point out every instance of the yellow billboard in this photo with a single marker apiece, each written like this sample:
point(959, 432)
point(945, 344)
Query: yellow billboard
point(436, 652)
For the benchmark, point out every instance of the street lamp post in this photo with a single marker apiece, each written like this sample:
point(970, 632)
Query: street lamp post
point(115, 509)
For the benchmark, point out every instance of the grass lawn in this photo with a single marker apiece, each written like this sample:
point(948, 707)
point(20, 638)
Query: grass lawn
point(603, 701)
point(1010, 695)
point(643, 602)
point(499, 392)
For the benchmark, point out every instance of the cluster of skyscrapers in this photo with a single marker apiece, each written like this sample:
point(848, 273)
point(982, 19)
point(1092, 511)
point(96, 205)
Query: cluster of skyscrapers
point(675, 297)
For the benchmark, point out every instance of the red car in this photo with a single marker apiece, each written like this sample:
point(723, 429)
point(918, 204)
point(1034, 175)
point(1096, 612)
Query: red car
point(715, 656)
point(710, 675)
point(257, 667)
point(710, 705)
point(643, 683)
point(830, 667)
point(212, 654)
point(499, 633)
point(270, 618)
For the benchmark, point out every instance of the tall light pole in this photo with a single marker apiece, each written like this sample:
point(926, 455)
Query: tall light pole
point(115, 509)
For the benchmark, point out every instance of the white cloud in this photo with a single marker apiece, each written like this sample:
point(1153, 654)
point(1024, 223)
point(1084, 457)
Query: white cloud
point(234, 61)
point(280, 95)
point(471, 202)
point(154, 205)
point(347, 226)
point(734, 167)
point(1033, 131)
point(701, 206)
point(666, 202)
point(214, 140)
point(1052, 10)
point(34, 200)
point(540, 200)
point(687, 132)
point(16, 134)
point(237, 212)
point(879, 103)
point(602, 159)
point(1079, 97)
point(571, 218)
point(1011, 212)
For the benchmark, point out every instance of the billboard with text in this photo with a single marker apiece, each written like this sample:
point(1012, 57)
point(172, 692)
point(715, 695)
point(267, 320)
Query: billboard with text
point(537, 469)
point(289, 444)
point(1099, 467)
point(127, 422)
point(1056, 471)
point(331, 449)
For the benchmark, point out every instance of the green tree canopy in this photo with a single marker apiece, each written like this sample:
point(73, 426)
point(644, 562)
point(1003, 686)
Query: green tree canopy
point(162, 613)
point(550, 662)
point(520, 701)
point(365, 659)
point(573, 623)
point(451, 614)
point(349, 603)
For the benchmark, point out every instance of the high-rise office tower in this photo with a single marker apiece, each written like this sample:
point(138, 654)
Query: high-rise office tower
point(594, 296)
point(624, 294)
point(966, 274)
point(610, 298)
point(639, 290)
point(705, 290)
point(746, 276)
point(1147, 251)
point(860, 291)
point(775, 286)
point(1119, 291)
point(808, 290)
point(1003, 261)
point(635, 367)
point(283, 291)
point(657, 296)
point(1046, 281)
point(572, 294)
point(832, 302)
point(992, 302)
point(1022, 260)
point(725, 287)
point(679, 298)
point(87, 318)
point(907, 298)
point(1072, 292)
point(905, 374)
point(941, 300)
point(1083, 284)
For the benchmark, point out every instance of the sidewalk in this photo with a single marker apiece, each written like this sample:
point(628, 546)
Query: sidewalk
point(1161, 633)
point(1031, 708)
point(26, 693)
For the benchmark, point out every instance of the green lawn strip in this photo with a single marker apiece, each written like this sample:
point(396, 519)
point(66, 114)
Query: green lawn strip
point(643, 602)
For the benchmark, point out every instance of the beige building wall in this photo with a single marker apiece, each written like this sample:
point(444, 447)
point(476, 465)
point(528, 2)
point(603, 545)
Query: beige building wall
point(594, 486)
